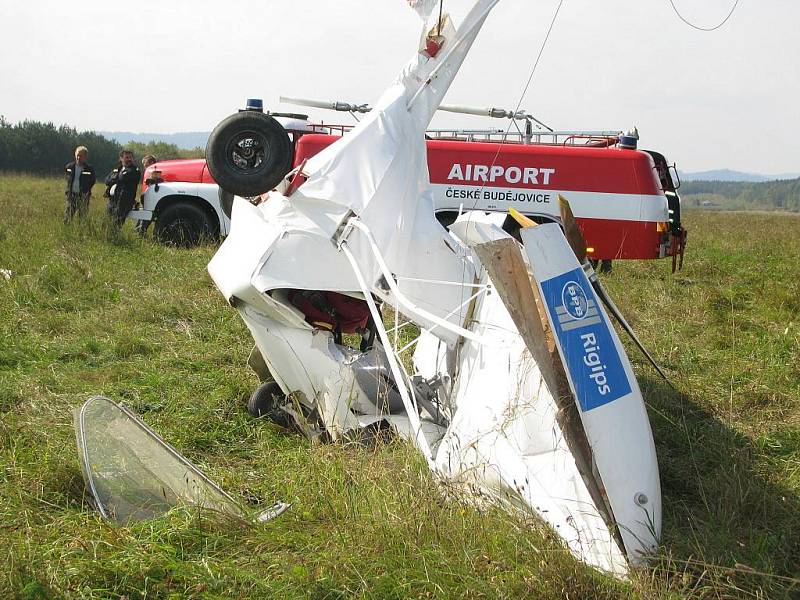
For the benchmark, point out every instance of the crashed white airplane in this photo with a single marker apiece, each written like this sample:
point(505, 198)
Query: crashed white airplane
point(520, 389)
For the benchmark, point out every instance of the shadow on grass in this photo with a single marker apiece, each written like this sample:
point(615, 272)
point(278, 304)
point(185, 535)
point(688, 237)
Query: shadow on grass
point(726, 525)
point(64, 487)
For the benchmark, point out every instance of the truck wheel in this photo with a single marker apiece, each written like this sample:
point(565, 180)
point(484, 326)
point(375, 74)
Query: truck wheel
point(184, 224)
point(264, 403)
point(248, 153)
point(226, 202)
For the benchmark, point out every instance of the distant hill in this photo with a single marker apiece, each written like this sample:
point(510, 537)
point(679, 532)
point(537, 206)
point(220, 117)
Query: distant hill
point(187, 140)
point(729, 175)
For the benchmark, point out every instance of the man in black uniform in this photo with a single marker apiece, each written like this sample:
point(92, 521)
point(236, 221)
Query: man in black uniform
point(80, 179)
point(121, 186)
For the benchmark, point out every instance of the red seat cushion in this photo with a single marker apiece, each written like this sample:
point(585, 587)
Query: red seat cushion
point(331, 310)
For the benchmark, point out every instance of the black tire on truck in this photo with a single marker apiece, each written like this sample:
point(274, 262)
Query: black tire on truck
point(248, 153)
point(185, 224)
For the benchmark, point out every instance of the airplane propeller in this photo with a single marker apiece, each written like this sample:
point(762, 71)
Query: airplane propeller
point(578, 244)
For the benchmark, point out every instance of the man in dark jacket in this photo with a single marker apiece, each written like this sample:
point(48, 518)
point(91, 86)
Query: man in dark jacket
point(80, 179)
point(121, 186)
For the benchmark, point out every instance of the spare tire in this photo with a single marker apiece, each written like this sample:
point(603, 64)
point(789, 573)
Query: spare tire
point(248, 153)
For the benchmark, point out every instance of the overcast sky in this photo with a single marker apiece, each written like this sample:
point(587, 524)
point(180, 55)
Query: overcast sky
point(729, 98)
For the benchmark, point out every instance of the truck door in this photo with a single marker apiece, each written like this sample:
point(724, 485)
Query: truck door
point(677, 233)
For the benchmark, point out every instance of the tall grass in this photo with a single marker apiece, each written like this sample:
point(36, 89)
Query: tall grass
point(90, 311)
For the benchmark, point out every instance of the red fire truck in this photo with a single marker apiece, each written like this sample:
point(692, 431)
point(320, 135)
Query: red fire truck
point(625, 199)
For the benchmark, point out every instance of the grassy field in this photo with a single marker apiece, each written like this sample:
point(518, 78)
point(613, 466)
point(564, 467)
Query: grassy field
point(87, 312)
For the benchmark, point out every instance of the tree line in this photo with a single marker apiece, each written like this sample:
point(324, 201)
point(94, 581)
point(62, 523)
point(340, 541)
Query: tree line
point(779, 194)
point(44, 148)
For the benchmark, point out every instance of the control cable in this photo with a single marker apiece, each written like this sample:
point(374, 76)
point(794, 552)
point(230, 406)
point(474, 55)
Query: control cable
point(690, 24)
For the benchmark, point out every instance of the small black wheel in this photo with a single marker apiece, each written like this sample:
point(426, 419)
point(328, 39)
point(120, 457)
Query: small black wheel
point(184, 224)
point(264, 402)
point(226, 202)
point(248, 153)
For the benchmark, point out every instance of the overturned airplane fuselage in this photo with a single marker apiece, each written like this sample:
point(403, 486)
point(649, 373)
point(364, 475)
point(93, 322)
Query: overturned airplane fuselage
point(518, 386)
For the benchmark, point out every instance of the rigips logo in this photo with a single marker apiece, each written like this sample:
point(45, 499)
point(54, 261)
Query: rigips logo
point(591, 357)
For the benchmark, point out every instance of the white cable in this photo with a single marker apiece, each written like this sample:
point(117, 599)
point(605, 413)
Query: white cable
point(525, 90)
point(410, 407)
point(447, 316)
point(442, 282)
point(725, 20)
point(462, 305)
point(400, 297)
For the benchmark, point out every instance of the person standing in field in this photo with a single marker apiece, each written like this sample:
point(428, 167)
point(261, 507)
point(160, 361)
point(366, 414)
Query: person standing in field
point(121, 184)
point(148, 160)
point(141, 225)
point(80, 180)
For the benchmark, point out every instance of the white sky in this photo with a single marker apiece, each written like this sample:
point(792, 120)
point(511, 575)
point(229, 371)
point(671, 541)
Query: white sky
point(729, 98)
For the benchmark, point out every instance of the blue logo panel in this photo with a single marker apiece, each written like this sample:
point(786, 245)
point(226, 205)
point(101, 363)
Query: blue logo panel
point(591, 357)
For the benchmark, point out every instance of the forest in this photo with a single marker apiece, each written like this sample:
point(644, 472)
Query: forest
point(44, 148)
point(767, 195)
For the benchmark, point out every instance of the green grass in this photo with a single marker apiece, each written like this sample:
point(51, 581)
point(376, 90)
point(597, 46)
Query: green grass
point(87, 311)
